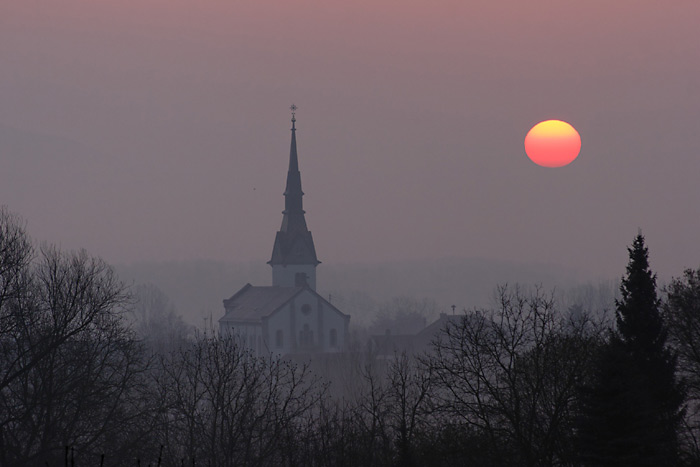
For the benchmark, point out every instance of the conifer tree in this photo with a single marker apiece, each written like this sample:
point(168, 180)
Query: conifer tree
point(639, 321)
point(632, 409)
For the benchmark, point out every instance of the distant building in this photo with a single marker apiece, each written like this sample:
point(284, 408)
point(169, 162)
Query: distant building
point(388, 345)
point(288, 317)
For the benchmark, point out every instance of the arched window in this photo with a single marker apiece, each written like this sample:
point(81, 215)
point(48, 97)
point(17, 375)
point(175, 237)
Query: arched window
point(334, 338)
point(306, 308)
point(279, 339)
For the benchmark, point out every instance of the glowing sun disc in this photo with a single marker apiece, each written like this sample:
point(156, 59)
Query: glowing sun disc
point(552, 143)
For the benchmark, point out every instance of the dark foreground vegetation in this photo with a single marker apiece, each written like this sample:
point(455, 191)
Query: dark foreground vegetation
point(524, 383)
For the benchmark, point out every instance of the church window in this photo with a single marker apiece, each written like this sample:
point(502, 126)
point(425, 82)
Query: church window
point(306, 309)
point(279, 339)
point(334, 338)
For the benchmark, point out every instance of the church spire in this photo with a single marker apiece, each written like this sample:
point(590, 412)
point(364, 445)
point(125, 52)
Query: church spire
point(294, 245)
point(293, 193)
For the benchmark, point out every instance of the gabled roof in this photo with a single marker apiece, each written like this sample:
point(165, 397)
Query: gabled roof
point(252, 304)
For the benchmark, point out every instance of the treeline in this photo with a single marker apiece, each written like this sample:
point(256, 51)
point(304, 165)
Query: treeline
point(524, 383)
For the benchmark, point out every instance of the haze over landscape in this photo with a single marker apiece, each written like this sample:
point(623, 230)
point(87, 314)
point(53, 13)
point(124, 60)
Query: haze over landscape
point(157, 131)
point(474, 305)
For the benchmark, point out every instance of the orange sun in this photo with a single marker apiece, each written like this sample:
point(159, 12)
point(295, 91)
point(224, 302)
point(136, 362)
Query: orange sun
point(552, 143)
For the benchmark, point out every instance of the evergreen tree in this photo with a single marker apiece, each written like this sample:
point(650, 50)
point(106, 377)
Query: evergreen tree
point(639, 321)
point(632, 409)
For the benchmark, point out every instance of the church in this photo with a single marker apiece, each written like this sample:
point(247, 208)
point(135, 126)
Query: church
point(289, 317)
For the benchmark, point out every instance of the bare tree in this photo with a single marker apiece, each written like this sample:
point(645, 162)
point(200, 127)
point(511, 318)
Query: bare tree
point(69, 370)
point(16, 253)
point(681, 312)
point(389, 411)
point(60, 297)
point(226, 406)
point(410, 404)
point(372, 415)
point(16, 256)
point(511, 375)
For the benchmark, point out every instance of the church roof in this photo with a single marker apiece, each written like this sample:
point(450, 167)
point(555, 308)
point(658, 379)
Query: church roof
point(252, 303)
point(293, 242)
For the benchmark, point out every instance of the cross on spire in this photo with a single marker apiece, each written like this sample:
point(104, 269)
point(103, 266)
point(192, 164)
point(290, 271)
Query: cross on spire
point(293, 108)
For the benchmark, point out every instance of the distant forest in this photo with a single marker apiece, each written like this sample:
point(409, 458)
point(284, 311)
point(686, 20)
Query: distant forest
point(94, 371)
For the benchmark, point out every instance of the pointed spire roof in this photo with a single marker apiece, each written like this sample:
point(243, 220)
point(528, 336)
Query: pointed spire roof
point(293, 243)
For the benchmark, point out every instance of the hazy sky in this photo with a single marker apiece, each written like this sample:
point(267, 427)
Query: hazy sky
point(159, 130)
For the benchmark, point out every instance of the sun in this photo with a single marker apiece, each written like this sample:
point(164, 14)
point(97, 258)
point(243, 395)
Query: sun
point(552, 143)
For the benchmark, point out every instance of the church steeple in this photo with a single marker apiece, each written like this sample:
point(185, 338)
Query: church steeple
point(293, 218)
point(294, 258)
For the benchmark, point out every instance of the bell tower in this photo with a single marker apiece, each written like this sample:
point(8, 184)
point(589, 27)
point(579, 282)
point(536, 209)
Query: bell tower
point(294, 258)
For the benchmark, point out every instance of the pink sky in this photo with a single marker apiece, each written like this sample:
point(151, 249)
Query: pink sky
point(154, 130)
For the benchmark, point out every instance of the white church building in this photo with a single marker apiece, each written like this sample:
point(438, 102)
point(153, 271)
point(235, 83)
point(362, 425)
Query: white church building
point(288, 317)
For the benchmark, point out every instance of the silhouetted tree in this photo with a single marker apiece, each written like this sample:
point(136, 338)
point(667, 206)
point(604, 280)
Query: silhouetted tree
point(682, 317)
point(410, 405)
point(509, 376)
point(225, 406)
point(632, 409)
point(372, 409)
point(70, 372)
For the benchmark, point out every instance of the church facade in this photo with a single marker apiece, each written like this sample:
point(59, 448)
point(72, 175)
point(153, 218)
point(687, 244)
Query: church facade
point(288, 317)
